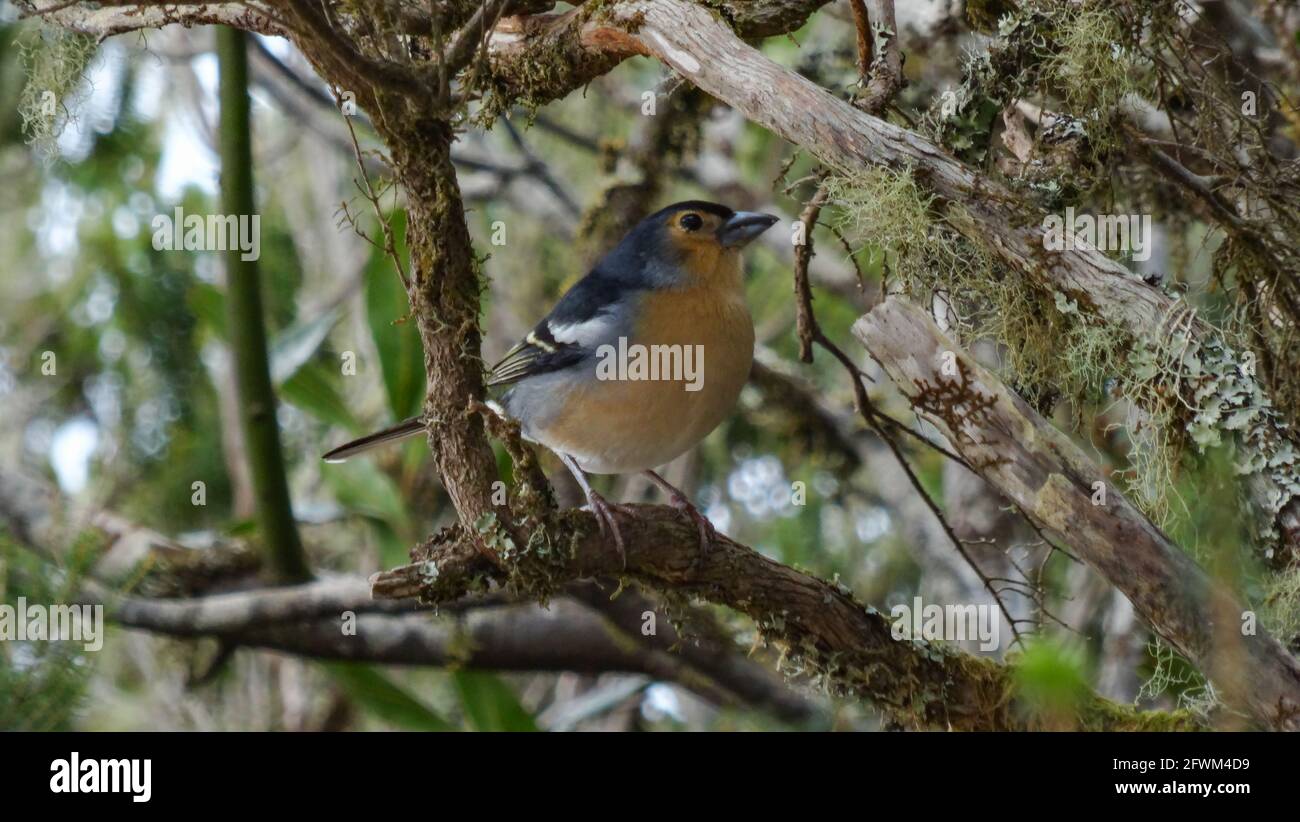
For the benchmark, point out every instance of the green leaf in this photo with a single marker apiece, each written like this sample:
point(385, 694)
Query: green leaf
point(386, 700)
point(311, 389)
point(361, 488)
point(401, 356)
point(208, 304)
point(490, 704)
point(294, 346)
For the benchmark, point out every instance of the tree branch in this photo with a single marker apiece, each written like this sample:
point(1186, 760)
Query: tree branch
point(822, 632)
point(110, 19)
point(1048, 476)
point(308, 620)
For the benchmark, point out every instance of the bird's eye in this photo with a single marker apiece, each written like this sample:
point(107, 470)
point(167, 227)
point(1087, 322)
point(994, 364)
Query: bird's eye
point(691, 222)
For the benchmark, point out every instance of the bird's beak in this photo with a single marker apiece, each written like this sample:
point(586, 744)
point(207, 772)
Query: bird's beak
point(743, 227)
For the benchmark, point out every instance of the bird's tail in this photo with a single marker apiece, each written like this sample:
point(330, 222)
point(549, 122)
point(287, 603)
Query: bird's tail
point(404, 429)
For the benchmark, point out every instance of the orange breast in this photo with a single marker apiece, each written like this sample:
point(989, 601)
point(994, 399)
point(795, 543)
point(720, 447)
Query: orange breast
point(624, 425)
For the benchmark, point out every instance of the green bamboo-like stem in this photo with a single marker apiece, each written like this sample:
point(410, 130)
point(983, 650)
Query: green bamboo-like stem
point(286, 561)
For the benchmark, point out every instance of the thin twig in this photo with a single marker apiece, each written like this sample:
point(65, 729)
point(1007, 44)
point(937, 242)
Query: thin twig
point(368, 191)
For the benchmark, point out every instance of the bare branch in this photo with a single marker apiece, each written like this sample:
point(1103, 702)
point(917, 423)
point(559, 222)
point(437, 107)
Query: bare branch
point(308, 620)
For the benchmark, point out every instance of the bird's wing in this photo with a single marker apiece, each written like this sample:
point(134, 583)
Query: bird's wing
point(586, 316)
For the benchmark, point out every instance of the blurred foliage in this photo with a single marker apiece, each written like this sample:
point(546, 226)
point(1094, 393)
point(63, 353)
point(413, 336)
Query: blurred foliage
point(386, 700)
point(43, 684)
point(1051, 681)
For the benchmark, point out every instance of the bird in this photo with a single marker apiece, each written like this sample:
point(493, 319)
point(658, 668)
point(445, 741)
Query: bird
point(609, 380)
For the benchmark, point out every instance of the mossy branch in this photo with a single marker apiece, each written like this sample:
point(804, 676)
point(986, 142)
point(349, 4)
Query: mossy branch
point(822, 631)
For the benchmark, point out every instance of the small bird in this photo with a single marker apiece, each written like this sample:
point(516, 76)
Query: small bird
point(638, 361)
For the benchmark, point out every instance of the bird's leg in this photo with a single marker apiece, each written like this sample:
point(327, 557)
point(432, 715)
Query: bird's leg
point(679, 501)
point(603, 510)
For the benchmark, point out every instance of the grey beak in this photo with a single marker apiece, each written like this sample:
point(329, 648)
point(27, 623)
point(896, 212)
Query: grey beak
point(743, 227)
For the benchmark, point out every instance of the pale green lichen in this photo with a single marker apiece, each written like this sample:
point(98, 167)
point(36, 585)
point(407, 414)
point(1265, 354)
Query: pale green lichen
point(1172, 674)
point(55, 62)
point(1078, 62)
point(1176, 385)
point(1280, 613)
point(1090, 66)
point(888, 210)
point(1222, 397)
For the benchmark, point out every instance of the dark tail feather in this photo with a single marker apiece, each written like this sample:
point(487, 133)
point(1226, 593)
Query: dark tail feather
point(404, 429)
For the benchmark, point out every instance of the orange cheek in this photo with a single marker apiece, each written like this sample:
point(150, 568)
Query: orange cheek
point(701, 258)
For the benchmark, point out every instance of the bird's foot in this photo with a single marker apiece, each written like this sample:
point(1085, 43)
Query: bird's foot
point(708, 534)
point(604, 511)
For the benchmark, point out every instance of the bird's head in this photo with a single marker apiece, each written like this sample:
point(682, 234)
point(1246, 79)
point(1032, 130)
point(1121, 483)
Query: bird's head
point(699, 226)
point(687, 240)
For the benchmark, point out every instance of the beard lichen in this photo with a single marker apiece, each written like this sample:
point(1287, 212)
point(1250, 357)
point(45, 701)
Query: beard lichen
point(1178, 389)
point(55, 62)
point(1050, 346)
point(1079, 61)
point(1092, 66)
point(1281, 607)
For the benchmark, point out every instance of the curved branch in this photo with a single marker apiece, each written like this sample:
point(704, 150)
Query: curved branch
point(823, 632)
point(308, 620)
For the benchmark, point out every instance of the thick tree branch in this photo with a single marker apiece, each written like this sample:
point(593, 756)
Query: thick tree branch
point(540, 58)
point(308, 620)
point(1036, 466)
point(822, 632)
point(109, 19)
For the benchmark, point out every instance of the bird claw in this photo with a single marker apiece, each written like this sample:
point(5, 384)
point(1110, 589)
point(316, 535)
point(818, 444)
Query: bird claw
point(604, 511)
point(708, 534)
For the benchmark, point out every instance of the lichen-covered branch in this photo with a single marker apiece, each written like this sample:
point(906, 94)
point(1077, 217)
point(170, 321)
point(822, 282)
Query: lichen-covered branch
point(540, 58)
point(107, 19)
point(1036, 466)
point(821, 630)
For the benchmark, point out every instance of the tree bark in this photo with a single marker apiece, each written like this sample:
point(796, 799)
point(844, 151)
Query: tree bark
point(444, 293)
